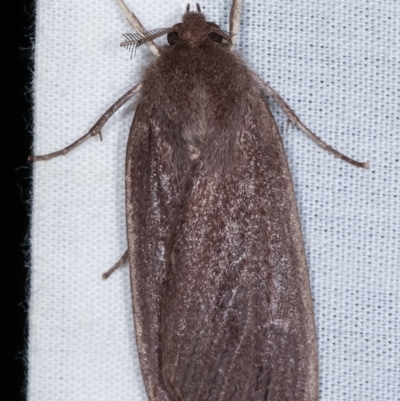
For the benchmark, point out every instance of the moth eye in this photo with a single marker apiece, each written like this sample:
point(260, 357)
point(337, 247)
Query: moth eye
point(215, 37)
point(173, 38)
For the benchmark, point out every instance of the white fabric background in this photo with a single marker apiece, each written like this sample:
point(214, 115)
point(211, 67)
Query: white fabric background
point(337, 63)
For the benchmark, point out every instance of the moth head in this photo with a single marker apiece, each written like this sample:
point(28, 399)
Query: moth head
point(193, 31)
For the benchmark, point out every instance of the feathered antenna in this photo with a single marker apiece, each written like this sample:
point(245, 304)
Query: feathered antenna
point(225, 34)
point(134, 40)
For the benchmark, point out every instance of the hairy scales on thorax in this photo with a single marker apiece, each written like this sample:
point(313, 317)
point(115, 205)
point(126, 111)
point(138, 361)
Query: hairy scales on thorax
point(201, 93)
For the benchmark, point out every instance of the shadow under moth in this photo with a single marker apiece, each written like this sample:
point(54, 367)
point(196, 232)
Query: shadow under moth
point(220, 288)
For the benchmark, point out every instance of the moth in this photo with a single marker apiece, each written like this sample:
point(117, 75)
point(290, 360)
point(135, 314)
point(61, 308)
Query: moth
point(220, 288)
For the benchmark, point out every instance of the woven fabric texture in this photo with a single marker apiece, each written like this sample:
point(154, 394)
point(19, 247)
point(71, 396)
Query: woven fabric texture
point(337, 64)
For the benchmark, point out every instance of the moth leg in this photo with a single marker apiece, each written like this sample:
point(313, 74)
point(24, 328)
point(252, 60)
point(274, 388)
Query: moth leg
point(293, 119)
point(138, 27)
point(95, 130)
point(234, 20)
point(122, 261)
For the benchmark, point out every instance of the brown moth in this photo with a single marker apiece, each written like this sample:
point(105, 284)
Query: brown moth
point(220, 288)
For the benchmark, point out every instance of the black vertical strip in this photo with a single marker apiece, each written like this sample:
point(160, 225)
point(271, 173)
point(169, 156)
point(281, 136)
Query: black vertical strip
point(16, 140)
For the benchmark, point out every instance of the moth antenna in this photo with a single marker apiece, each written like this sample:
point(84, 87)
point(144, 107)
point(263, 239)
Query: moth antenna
point(138, 27)
point(130, 42)
point(234, 20)
point(198, 7)
point(226, 35)
point(134, 40)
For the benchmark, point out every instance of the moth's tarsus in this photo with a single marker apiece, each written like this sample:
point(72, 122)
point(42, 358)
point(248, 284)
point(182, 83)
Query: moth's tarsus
point(95, 130)
point(293, 119)
point(327, 147)
point(121, 262)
